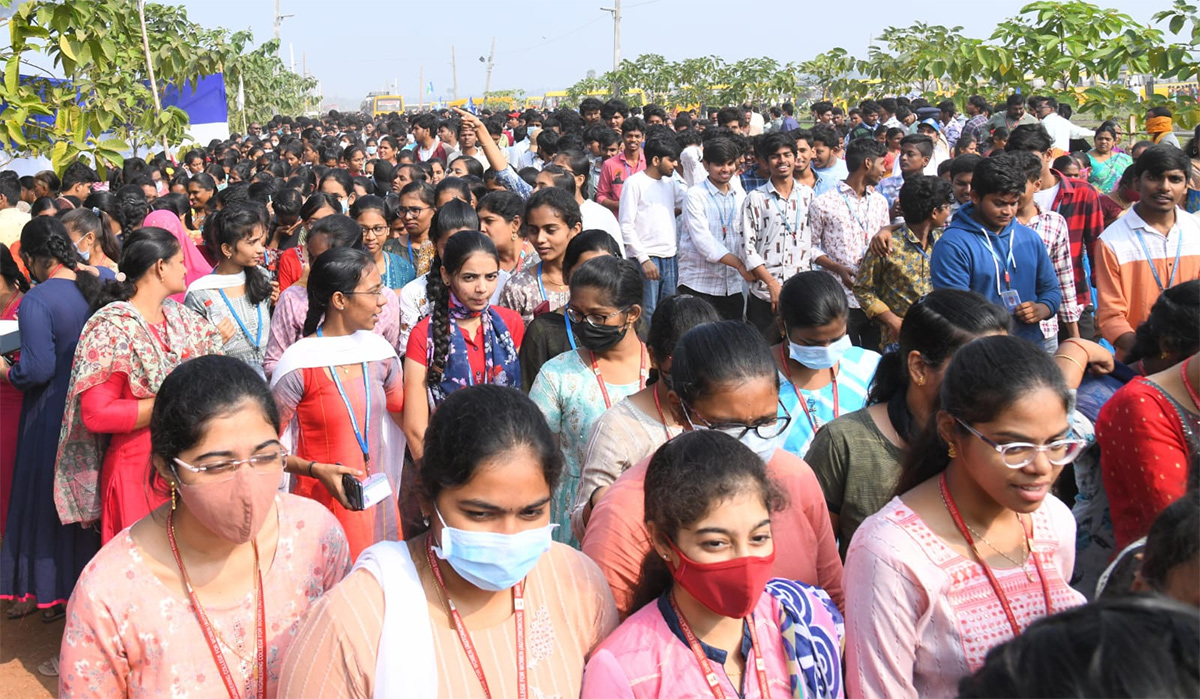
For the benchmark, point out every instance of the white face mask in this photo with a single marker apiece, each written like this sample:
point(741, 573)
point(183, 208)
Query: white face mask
point(820, 357)
point(84, 255)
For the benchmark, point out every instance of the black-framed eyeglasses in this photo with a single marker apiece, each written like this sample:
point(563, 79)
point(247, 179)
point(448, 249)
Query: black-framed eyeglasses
point(1020, 454)
point(766, 428)
point(593, 319)
point(373, 231)
point(411, 210)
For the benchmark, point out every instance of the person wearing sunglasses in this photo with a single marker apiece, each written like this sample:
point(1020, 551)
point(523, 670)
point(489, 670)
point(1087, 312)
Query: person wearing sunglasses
point(723, 378)
point(975, 547)
point(208, 590)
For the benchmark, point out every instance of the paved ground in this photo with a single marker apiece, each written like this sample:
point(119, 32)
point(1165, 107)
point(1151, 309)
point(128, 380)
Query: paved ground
point(25, 644)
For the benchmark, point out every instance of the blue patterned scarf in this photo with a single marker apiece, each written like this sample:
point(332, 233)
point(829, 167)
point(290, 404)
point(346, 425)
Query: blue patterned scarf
point(501, 364)
point(813, 657)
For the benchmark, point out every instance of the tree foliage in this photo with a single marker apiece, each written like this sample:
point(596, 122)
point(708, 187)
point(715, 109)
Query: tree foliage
point(1076, 51)
point(106, 106)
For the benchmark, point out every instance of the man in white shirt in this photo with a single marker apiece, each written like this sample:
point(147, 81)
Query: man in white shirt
point(648, 205)
point(1061, 130)
point(709, 267)
point(12, 219)
point(428, 145)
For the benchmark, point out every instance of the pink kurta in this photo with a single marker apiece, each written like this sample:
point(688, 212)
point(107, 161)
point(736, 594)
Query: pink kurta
point(919, 616)
point(127, 635)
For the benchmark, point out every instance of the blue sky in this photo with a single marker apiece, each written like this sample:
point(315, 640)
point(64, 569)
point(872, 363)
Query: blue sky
point(355, 46)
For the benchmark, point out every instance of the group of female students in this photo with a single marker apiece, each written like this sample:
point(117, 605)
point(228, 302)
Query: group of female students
point(613, 533)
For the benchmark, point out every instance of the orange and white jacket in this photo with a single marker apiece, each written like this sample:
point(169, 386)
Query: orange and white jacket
point(1126, 263)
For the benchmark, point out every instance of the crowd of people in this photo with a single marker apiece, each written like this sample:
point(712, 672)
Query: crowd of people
point(608, 402)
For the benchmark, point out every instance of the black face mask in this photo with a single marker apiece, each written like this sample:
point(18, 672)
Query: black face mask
point(598, 338)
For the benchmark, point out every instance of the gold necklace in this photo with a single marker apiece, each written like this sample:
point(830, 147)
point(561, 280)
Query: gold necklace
point(1023, 565)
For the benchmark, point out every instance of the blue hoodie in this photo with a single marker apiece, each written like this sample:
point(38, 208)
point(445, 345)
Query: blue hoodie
point(962, 259)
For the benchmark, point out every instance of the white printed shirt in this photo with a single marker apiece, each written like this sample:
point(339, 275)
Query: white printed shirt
point(842, 224)
point(775, 233)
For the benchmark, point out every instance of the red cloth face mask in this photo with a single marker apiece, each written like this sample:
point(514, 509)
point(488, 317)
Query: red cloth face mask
point(729, 588)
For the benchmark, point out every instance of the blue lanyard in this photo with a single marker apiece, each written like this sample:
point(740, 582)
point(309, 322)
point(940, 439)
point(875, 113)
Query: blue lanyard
point(359, 435)
point(726, 220)
point(387, 271)
point(794, 230)
point(542, 286)
point(411, 260)
point(854, 212)
point(259, 329)
point(570, 334)
point(996, 259)
point(1150, 260)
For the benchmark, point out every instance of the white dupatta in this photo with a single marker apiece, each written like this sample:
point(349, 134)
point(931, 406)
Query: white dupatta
point(362, 346)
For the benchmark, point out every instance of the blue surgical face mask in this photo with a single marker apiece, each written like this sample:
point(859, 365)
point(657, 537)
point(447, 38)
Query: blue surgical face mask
point(820, 357)
point(372, 150)
point(490, 560)
point(84, 255)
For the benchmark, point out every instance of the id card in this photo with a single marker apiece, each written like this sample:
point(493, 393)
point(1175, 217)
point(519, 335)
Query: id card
point(1011, 299)
point(375, 489)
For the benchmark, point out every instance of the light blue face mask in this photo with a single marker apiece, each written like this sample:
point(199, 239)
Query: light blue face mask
point(84, 255)
point(489, 560)
point(372, 150)
point(820, 357)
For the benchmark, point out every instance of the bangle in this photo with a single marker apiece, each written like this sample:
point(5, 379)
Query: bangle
point(1073, 360)
point(310, 465)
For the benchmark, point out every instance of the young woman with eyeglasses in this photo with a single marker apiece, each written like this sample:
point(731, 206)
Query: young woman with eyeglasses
point(370, 212)
point(208, 590)
point(575, 388)
point(974, 547)
point(340, 393)
point(723, 378)
point(417, 205)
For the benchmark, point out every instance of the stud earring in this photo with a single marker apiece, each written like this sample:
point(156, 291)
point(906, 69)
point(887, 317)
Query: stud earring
point(173, 491)
point(920, 379)
point(952, 452)
point(425, 521)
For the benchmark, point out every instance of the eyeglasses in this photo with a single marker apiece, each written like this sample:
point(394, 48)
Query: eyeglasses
point(592, 319)
point(411, 210)
point(224, 470)
point(1020, 454)
point(767, 428)
point(378, 291)
point(373, 231)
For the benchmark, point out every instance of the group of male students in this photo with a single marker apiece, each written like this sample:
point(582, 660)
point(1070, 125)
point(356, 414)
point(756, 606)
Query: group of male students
point(1007, 226)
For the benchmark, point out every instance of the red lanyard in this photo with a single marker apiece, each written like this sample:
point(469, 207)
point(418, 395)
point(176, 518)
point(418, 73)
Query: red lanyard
point(714, 683)
point(962, 529)
point(812, 419)
point(464, 636)
point(1186, 384)
point(210, 636)
point(604, 389)
point(661, 415)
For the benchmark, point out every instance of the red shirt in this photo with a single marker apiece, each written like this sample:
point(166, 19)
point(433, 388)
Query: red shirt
point(1079, 203)
point(418, 342)
point(613, 174)
point(290, 268)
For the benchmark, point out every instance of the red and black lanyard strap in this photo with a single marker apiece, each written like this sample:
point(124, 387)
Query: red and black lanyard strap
point(661, 415)
point(642, 373)
point(714, 683)
point(464, 636)
point(987, 570)
point(210, 636)
point(812, 419)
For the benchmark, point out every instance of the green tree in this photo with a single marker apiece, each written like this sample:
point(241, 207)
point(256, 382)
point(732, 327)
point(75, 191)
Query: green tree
point(107, 106)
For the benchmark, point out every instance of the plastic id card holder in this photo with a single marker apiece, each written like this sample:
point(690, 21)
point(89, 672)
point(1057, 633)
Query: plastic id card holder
point(376, 489)
point(1011, 299)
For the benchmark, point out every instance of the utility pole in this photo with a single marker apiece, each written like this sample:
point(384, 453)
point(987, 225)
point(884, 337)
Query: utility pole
point(491, 62)
point(421, 90)
point(454, 70)
point(616, 13)
point(279, 23)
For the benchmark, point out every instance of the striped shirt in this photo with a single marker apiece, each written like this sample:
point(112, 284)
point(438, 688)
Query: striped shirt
point(712, 229)
point(1052, 228)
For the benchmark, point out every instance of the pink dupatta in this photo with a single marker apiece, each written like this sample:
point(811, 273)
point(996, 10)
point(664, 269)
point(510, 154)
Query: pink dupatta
point(193, 259)
point(117, 340)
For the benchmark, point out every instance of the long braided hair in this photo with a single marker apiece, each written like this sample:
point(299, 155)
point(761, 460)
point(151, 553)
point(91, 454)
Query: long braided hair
point(459, 248)
point(45, 237)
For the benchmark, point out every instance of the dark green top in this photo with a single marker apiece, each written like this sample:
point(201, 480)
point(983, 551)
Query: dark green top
point(855, 487)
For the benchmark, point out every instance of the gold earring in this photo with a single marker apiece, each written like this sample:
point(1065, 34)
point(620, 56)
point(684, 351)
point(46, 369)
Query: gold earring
point(920, 379)
point(172, 497)
point(951, 451)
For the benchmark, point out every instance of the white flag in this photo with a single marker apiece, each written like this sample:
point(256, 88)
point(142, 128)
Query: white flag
point(241, 96)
